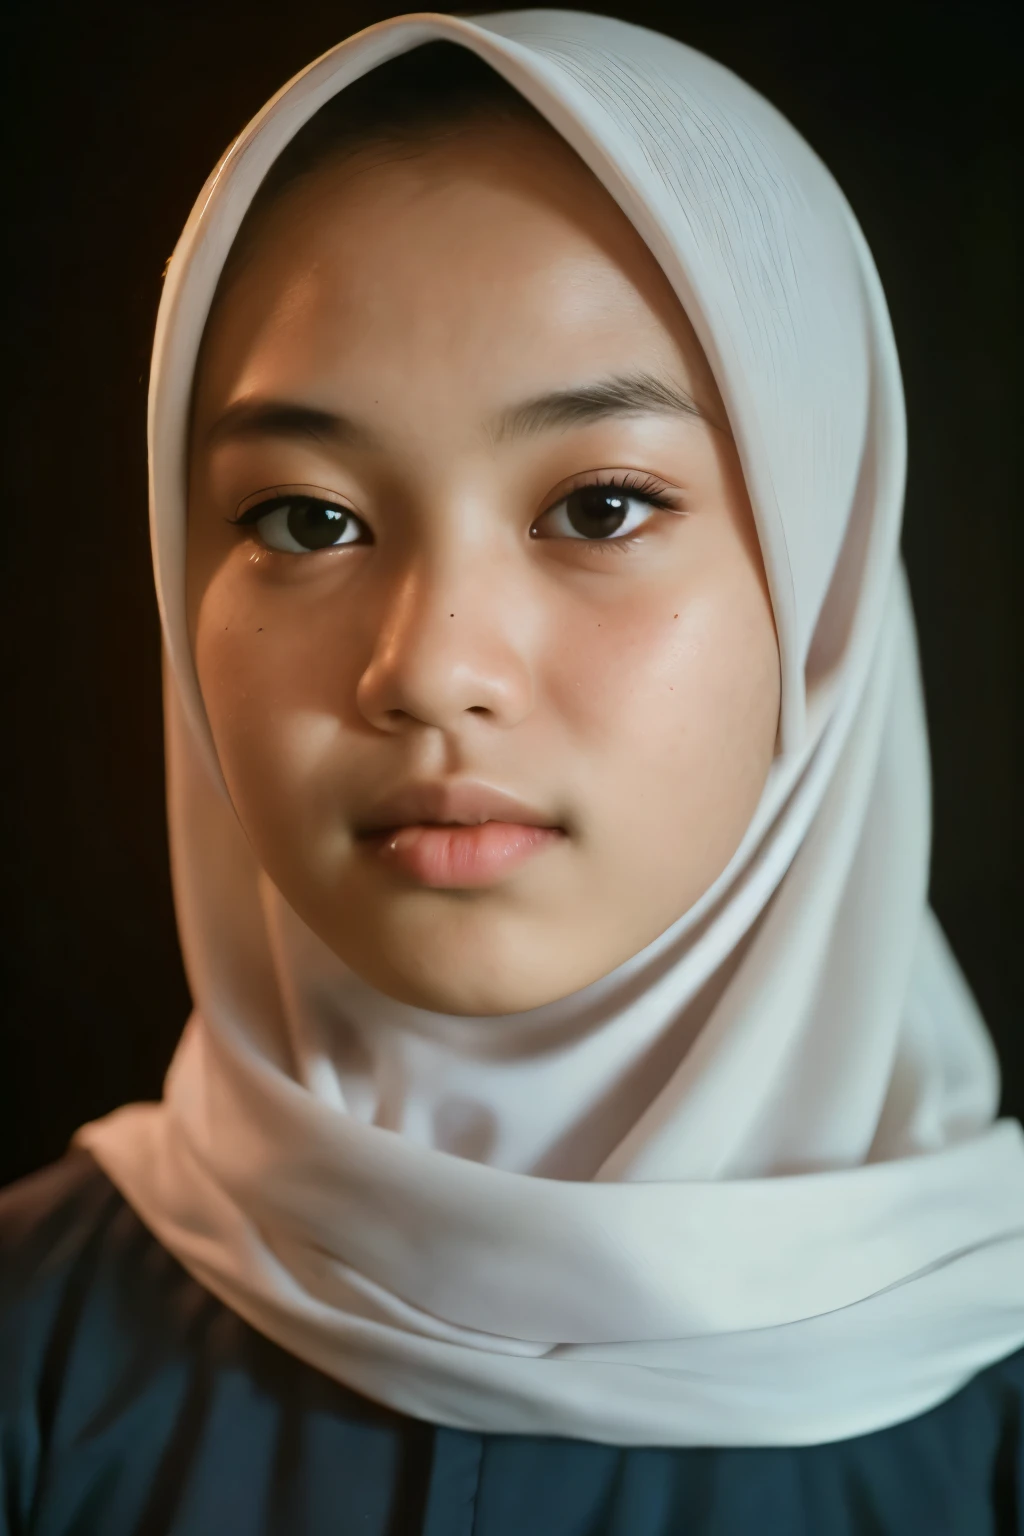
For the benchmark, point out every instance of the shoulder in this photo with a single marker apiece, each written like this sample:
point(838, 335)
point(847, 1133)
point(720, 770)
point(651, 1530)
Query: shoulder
point(82, 1280)
point(50, 1226)
point(90, 1306)
point(41, 1213)
point(126, 1386)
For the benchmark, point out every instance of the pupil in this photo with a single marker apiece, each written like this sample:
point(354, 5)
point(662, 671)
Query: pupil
point(595, 512)
point(315, 524)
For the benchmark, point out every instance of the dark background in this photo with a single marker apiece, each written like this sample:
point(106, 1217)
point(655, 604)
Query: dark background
point(116, 115)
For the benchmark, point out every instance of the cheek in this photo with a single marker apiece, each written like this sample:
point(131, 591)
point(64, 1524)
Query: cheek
point(677, 700)
point(277, 693)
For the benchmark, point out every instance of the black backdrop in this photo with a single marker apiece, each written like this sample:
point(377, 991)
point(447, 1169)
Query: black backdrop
point(116, 115)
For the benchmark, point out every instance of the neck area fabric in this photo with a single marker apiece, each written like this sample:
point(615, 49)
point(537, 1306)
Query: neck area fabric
point(749, 1189)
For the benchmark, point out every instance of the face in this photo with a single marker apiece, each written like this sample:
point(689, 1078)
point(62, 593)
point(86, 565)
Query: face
point(475, 596)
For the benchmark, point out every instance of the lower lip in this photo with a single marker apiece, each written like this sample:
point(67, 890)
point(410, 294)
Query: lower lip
point(462, 857)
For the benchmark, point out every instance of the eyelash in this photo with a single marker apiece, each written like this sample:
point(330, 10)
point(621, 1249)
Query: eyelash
point(642, 487)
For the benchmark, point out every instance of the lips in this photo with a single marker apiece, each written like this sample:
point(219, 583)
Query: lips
point(456, 836)
point(459, 803)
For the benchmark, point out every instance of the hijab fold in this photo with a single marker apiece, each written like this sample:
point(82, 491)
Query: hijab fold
point(750, 1188)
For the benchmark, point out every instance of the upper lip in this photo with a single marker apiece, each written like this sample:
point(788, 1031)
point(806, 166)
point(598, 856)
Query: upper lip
point(463, 802)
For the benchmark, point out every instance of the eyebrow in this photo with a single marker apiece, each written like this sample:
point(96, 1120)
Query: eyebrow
point(636, 394)
point(289, 419)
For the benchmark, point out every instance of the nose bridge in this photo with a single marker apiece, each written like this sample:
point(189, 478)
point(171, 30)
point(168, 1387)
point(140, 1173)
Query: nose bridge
point(447, 641)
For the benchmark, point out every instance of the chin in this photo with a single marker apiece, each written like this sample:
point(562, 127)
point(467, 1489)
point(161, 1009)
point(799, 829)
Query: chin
point(472, 994)
point(474, 955)
point(462, 979)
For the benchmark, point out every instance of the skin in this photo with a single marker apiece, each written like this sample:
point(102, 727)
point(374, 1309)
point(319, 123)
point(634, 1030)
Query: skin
point(626, 687)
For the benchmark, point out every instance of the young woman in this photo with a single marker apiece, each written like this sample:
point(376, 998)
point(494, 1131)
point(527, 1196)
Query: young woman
point(583, 1126)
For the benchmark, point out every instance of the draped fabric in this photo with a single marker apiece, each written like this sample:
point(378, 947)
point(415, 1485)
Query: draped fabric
point(748, 1189)
point(134, 1401)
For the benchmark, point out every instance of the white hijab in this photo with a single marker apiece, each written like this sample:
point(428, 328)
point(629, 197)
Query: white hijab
point(749, 1188)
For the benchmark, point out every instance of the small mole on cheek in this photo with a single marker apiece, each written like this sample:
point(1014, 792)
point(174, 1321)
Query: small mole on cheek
point(675, 615)
point(260, 630)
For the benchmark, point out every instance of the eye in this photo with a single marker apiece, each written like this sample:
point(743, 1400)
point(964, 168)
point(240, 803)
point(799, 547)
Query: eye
point(299, 525)
point(602, 512)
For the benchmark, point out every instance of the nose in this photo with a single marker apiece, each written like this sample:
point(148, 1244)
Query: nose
point(451, 643)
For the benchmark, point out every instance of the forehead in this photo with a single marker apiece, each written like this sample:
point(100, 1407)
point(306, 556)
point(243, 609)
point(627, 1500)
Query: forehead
point(524, 163)
point(470, 253)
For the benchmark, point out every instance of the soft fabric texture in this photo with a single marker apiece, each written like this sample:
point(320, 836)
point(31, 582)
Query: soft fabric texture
point(133, 1403)
point(749, 1188)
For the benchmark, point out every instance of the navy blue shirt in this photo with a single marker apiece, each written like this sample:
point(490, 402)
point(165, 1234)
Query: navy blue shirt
point(134, 1403)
